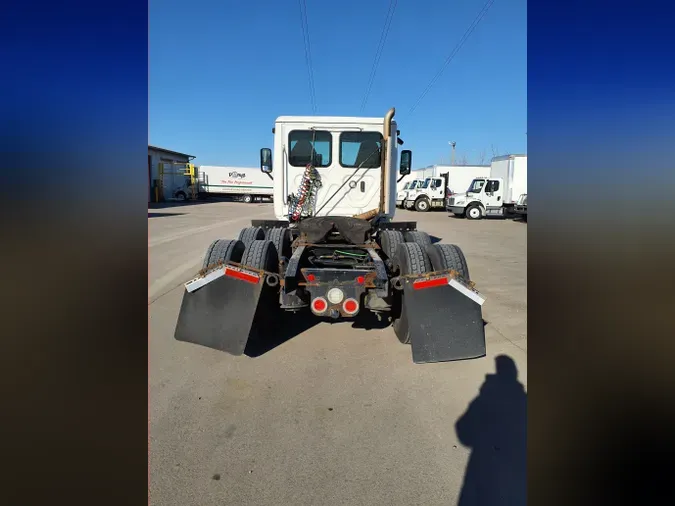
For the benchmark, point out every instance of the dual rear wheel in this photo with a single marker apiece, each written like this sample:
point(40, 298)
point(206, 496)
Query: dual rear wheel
point(412, 258)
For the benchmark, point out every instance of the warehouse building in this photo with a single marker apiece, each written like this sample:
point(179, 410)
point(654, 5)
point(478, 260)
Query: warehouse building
point(172, 160)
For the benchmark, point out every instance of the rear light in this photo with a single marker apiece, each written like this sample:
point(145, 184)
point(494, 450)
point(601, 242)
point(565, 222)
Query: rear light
point(350, 306)
point(319, 305)
point(360, 280)
point(335, 295)
point(311, 277)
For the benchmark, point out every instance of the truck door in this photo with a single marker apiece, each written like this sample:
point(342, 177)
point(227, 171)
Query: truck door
point(438, 191)
point(348, 163)
point(493, 194)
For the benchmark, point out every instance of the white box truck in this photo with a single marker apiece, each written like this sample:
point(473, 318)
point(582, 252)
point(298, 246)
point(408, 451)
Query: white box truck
point(495, 195)
point(443, 181)
point(245, 183)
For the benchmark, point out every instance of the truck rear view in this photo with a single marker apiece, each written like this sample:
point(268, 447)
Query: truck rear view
point(333, 252)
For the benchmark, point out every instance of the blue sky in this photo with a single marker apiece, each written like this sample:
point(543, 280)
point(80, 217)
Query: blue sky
point(220, 72)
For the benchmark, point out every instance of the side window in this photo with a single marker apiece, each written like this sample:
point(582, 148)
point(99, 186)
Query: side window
point(360, 149)
point(492, 186)
point(301, 152)
point(438, 183)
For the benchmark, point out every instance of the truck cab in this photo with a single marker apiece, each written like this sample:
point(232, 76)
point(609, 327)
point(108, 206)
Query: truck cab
point(343, 159)
point(402, 195)
point(430, 194)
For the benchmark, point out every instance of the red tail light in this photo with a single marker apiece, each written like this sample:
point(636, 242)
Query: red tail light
point(350, 306)
point(319, 305)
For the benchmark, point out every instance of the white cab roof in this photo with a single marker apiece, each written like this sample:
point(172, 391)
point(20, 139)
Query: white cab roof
point(331, 120)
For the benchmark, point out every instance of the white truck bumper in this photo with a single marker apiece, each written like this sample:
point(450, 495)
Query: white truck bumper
point(456, 209)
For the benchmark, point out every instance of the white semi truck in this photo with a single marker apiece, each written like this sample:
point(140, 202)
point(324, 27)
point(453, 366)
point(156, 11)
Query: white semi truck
point(334, 252)
point(442, 182)
point(495, 195)
point(245, 183)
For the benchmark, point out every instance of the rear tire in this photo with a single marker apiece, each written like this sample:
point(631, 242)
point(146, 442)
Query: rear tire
point(261, 254)
point(247, 199)
point(281, 238)
point(448, 256)
point(223, 250)
point(419, 237)
point(422, 205)
point(389, 241)
point(250, 234)
point(411, 259)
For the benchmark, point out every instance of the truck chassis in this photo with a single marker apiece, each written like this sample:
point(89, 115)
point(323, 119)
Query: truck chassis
point(335, 268)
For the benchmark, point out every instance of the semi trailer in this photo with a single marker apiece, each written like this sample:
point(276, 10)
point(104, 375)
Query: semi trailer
point(333, 251)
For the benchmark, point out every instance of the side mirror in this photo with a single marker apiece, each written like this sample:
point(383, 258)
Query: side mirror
point(406, 162)
point(266, 160)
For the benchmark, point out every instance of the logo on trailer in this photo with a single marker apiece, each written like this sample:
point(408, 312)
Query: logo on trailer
point(237, 175)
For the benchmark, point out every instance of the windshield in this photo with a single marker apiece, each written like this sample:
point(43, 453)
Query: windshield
point(426, 183)
point(405, 186)
point(413, 185)
point(476, 185)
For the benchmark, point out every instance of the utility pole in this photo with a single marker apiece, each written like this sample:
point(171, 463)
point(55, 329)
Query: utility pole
point(453, 144)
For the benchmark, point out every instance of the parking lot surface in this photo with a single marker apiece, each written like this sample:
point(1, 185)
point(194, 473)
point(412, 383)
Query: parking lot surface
point(336, 415)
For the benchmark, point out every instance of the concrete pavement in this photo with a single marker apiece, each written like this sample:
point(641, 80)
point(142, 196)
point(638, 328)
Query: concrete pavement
point(336, 415)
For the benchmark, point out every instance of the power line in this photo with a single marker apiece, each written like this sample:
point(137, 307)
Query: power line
point(308, 52)
point(454, 52)
point(380, 48)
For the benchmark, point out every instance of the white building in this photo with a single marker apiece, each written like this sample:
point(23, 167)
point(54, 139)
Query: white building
point(169, 158)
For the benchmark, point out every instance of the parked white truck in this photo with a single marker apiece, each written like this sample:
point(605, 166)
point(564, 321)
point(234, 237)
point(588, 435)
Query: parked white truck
point(442, 182)
point(243, 182)
point(402, 194)
point(495, 195)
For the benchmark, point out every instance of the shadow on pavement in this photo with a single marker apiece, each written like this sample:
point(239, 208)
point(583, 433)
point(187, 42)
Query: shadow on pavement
point(268, 332)
point(160, 215)
point(495, 428)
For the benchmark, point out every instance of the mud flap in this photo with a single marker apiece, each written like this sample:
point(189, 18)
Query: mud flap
point(445, 320)
point(219, 313)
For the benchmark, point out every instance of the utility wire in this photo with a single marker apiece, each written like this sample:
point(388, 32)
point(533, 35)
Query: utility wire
point(308, 52)
point(380, 49)
point(454, 52)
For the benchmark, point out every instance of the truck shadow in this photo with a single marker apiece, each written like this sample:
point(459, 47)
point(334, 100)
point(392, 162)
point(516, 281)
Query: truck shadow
point(494, 427)
point(268, 333)
point(161, 215)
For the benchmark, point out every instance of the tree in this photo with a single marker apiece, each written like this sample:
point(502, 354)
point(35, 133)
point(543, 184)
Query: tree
point(481, 157)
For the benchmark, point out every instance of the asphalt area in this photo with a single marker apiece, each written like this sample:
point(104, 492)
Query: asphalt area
point(336, 415)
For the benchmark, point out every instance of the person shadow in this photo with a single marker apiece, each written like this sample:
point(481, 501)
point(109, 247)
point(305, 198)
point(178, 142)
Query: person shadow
point(494, 426)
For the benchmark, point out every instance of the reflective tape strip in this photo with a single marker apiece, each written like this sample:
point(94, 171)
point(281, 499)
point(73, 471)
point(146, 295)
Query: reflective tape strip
point(197, 283)
point(473, 295)
point(241, 274)
point(232, 272)
point(429, 283)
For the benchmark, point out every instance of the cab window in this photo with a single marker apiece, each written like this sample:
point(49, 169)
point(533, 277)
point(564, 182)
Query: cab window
point(310, 146)
point(360, 149)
